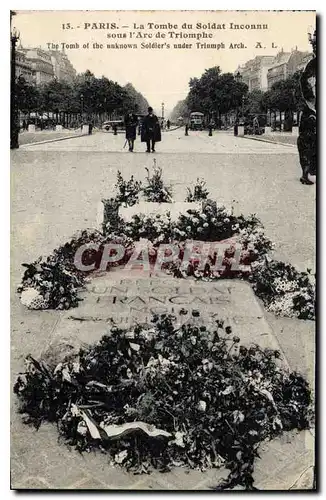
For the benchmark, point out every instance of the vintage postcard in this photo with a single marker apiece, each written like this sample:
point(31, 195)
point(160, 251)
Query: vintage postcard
point(163, 240)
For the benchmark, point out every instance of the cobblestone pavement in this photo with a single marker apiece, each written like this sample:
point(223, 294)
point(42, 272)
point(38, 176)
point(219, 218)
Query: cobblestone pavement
point(56, 188)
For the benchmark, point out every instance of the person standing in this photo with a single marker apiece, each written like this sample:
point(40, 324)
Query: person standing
point(255, 125)
point(307, 140)
point(151, 131)
point(168, 124)
point(236, 127)
point(131, 122)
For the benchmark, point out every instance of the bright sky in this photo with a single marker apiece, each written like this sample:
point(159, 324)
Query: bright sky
point(162, 75)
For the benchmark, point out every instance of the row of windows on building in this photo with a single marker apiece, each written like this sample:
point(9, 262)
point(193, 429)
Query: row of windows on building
point(261, 72)
point(39, 66)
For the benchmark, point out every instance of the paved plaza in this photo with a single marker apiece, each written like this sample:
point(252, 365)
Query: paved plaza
point(56, 189)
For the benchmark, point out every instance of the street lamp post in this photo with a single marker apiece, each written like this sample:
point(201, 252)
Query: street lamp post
point(238, 79)
point(163, 112)
point(242, 109)
point(14, 127)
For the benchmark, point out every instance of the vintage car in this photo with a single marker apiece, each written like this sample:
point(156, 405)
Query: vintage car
point(110, 124)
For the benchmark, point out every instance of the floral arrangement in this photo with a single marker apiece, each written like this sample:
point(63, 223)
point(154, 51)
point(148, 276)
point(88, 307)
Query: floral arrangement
point(54, 283)
point(284, 290)
point(155, 190)
point(169, 394)
point(212, 223)
point(199, 193)
point(49, 285)
point(155, 228)
point(127, 191)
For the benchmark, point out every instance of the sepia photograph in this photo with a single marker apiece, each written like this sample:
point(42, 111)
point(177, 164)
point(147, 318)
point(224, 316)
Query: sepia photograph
point(163, 250)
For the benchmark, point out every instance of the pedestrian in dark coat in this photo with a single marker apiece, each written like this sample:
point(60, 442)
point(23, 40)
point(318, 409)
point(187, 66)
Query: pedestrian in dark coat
point(307, 140)
point(151, 131)
point(131, 122)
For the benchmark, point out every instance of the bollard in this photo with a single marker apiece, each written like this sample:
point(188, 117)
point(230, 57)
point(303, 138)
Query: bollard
point(85, 129)
point(241, 131)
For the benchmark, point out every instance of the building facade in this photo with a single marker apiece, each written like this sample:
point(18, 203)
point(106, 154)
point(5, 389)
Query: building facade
point(278, 70)
point(39, 66)
point(254, 72)
point(24, 68)
point(62, 67)
point(286, 64)
point(261, 72)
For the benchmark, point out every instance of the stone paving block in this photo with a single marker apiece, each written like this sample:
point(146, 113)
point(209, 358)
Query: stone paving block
point(181, 478)
point(305, 481)
point(17, 471)
point(285, 477)
point(283, 460)
point(90, 484)
point(150, 484)
point(113, 476)
point(32, 483)
point(211, 480)
point(62, 476)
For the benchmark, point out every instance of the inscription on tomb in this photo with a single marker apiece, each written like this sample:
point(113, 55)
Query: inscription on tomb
point(116, 299)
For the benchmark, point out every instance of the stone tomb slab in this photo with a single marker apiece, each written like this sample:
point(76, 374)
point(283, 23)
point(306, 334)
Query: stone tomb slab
point(128, 300)
point(118, 298)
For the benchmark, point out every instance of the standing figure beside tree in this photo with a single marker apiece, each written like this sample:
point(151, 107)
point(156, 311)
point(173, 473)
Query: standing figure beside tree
point(151, 131)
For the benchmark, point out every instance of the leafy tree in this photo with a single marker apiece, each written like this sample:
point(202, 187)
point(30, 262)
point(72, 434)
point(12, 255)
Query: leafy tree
point(55, 97)
point(139, 102)
point(254, 104)
point(27, 96)
point(180, 109)
point(96, 98)
point(215, 93)
point(284, 96)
